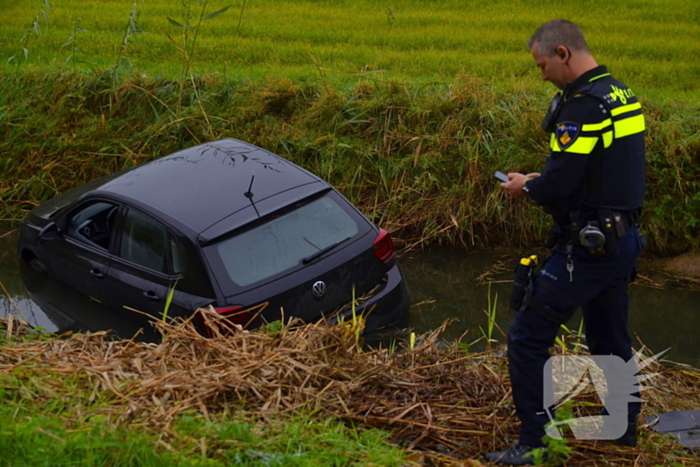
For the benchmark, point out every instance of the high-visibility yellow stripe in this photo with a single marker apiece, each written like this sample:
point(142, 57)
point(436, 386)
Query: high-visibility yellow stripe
point(625, 108)
point(607, 139)
point(598, 77)
point(582, 145)
point(553, 143)
point(596, 126)
point(629, 126)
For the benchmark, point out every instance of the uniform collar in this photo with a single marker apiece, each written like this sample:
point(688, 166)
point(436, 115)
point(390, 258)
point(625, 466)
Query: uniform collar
point(584, 80)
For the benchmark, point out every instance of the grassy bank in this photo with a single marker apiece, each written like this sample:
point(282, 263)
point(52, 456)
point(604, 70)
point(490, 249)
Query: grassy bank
point(417, 159)
point(295, 396)
point(408, 109)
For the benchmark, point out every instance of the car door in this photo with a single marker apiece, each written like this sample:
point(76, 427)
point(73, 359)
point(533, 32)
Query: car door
point(81, 257)
point(146, 266)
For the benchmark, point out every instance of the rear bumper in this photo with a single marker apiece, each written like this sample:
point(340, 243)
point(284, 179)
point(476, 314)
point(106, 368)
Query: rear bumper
point(388, 309)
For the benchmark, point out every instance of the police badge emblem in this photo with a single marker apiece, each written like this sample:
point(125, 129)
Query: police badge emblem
point(567, 132)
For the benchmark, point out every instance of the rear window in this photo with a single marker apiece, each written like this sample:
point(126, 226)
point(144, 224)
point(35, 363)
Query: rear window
point(284, 241)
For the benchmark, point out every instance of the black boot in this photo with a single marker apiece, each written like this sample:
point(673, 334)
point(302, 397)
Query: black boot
point(630, 437)
point(517, 454)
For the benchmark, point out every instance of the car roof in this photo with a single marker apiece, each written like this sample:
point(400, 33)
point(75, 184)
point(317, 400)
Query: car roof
point(204, 184)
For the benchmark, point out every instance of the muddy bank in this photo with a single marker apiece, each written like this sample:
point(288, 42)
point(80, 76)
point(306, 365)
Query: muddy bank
point(682, 268)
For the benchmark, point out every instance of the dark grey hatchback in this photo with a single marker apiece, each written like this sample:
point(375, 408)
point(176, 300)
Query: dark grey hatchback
point(226, 224)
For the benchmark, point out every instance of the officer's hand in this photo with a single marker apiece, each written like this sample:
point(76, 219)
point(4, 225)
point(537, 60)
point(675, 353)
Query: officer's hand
point(514, 187)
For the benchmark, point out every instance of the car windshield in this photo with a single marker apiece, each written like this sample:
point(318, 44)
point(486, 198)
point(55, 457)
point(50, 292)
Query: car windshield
point(285, 241)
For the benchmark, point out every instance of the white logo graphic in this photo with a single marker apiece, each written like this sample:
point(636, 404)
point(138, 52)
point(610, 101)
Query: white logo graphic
point(615, 382)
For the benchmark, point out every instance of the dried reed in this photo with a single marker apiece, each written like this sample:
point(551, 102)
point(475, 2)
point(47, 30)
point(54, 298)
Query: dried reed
point(446, 405)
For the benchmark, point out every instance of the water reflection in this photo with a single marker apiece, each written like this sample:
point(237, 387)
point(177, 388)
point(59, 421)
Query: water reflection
point(47, 303)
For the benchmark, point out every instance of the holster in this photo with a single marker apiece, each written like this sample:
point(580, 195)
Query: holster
point(524, 275)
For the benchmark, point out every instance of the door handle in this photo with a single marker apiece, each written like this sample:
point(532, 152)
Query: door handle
point(151, 295)
point(97, 273)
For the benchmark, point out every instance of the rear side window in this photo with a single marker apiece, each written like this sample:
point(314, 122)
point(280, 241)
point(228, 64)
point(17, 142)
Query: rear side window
point(147, 243)
point(284, 241)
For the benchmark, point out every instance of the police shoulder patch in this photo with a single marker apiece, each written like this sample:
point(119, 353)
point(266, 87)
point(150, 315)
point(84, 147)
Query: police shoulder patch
point(567, 132)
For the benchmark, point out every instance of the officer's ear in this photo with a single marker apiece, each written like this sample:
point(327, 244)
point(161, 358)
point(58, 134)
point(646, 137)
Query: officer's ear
point(563, 52)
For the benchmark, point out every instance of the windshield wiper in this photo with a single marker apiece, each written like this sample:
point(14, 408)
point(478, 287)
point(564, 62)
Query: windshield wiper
point(322, 252)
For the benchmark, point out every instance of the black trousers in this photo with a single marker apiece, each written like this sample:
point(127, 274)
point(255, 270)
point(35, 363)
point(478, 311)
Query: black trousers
point(598, 286)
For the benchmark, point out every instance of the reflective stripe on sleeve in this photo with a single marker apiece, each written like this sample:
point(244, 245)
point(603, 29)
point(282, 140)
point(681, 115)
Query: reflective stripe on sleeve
point(582, 145)
point(597, 126)
point(625, 108)
point(607, 139)
point(629, 126)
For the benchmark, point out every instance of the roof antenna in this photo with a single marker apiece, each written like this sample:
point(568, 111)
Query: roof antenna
point(249, 194)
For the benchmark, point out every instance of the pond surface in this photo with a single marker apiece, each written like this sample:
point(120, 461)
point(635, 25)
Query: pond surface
point(445, 284)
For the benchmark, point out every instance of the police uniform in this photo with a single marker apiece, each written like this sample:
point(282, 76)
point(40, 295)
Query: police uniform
point(594, 175)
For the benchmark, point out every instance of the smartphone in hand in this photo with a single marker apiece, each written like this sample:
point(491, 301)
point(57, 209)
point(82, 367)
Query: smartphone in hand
point(500, 176)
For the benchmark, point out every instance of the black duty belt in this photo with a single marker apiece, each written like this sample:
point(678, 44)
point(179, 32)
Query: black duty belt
point(628, 218)
point(625, 219)
point(619, 222)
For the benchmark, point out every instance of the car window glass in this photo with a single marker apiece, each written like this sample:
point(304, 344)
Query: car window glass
point(143, 241)
point(177, 257)
point(285, 241)
point(94, 223)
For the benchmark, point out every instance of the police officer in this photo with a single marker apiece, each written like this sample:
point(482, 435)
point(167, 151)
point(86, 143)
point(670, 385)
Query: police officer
point(593, 186)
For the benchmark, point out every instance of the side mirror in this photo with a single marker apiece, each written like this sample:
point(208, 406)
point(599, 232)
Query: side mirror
point(49, 233)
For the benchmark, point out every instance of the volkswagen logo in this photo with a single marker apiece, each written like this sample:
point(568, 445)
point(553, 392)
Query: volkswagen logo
point(319, 289)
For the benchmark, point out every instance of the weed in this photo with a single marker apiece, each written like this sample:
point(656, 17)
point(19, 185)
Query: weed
point(240, 17)
point(491, 315)
point(122, 64)
point(190, 33)
point(168, 301)
point(32, 31)
point(555, 451)
point(390, 18)
point(72, 45)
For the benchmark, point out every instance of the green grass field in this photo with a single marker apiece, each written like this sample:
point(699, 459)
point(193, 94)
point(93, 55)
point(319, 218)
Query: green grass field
point(654, 45)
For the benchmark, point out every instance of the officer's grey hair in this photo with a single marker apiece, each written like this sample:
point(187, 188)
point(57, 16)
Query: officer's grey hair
point(558, 32)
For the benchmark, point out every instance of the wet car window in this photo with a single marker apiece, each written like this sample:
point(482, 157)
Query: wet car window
point(94, 223)
point(177, 257)
point(144, 242)
point(285, 241)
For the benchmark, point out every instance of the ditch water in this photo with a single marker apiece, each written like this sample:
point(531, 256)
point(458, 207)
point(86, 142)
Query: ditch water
point(445, 284)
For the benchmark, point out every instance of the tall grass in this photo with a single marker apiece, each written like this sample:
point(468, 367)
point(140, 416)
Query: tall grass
point(416, 159)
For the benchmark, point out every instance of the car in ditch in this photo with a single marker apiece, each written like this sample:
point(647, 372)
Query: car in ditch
point(226, 224)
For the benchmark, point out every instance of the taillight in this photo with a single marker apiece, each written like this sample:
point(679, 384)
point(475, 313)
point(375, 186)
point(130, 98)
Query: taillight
point(229, 315)
point(234, 314)
point(384, 249)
